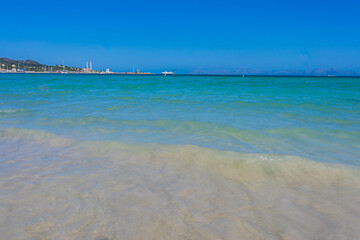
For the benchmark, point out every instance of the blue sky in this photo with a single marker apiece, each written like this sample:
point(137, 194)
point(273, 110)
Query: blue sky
point(184, 35)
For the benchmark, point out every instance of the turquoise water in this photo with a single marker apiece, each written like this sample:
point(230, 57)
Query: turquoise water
point(179, 157)
point(316, 118)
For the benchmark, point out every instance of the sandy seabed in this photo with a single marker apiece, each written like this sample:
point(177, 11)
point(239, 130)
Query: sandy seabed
point(52, 187)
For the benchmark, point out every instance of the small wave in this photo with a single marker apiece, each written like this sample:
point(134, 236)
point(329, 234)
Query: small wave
point(9, 111)
point(240, 167)
point(289, 141)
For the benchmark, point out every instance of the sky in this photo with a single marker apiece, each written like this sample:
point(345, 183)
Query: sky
point(184, 36)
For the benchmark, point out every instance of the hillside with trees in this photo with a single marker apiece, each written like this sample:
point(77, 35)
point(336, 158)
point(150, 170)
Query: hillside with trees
point(31, 65)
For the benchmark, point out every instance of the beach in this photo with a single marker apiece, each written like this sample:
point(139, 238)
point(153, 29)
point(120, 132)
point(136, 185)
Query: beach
point(179, 157)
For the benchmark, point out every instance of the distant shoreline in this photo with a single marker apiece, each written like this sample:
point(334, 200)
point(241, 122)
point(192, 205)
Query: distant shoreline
point(175, 75)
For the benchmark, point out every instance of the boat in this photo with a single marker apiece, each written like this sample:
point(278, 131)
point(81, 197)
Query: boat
point(167, 73)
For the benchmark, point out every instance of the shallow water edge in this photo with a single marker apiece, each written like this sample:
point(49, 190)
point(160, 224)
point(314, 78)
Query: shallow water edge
point(53, 187)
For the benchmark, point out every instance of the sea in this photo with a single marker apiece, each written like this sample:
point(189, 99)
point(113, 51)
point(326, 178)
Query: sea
point(103, 157)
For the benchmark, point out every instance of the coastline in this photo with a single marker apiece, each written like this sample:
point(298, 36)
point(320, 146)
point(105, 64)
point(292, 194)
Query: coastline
point(184, 74)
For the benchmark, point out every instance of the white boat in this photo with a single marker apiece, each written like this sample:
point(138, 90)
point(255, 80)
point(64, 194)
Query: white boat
point(167, 73)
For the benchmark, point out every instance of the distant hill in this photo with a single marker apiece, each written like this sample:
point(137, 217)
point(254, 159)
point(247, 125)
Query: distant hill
point(20, 63)
point(31, 65)
point(247, 71)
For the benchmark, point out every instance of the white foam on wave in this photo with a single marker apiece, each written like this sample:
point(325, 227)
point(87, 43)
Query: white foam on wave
point(113, 190)
point(12, 110)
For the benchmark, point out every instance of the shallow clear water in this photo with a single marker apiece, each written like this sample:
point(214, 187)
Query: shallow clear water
point(179, 157)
